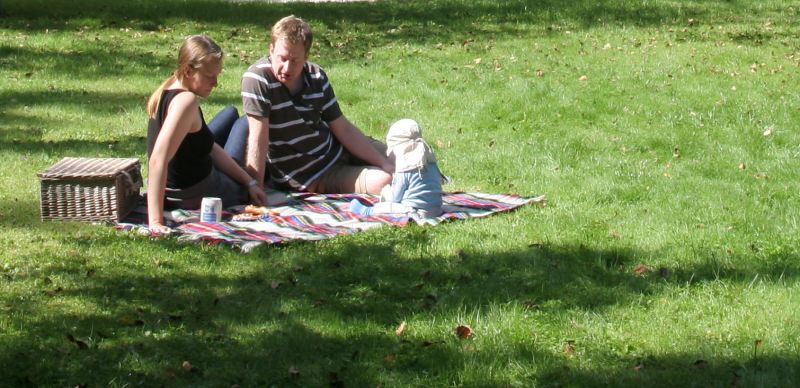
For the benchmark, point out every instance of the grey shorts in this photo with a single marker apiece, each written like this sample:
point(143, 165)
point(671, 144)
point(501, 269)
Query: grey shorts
point(216, 184)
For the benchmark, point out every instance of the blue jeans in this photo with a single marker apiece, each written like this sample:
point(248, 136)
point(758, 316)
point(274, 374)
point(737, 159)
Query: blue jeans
point(230, 132)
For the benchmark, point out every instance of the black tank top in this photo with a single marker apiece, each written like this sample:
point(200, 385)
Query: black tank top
point(192, 161)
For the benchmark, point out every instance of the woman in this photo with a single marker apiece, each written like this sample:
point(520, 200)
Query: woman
point(185, 163)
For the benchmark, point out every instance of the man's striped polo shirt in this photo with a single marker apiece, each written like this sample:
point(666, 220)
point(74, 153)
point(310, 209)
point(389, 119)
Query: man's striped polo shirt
point(301, 145)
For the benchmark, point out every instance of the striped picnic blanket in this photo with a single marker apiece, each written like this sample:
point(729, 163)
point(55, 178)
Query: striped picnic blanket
point(308, 216)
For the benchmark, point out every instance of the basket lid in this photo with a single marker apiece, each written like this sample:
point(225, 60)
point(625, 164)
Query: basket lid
point(87, 168)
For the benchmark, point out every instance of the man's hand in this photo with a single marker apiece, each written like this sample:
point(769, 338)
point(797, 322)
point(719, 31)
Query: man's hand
point(388, 166)
point(257, 195)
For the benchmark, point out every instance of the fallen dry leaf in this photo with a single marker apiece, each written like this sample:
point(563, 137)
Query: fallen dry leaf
point(461, 254)
point(187, 366)
point(583, 78)
point(638, 367)
point(756, 344)
point(400, 329)
point(569, 348)
point(641, 269)
point(80, 344)
point(170, 374)
point(742, 166)
point(737, 380)
point(530, 305)
point(768, 131)
point(477, 61)
point(333, 380)
point(53, 292)
point(131, 321)
point(539, 73)
point(463, 331)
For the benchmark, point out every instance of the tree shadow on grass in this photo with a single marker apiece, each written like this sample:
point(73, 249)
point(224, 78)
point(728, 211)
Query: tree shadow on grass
point(106, 59)
point(346, 32)
point(286, 318)
point(29, 141)
point(419, 21)
point(93, 102)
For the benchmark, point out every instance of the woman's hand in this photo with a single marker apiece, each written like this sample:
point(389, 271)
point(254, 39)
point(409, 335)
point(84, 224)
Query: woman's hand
point(159, 229)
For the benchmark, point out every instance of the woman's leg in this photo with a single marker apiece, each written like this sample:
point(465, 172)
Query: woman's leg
point(222, 124)
point(231, 192)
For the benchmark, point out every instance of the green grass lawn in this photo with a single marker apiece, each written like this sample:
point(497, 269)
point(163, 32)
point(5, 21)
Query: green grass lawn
point(664, 134)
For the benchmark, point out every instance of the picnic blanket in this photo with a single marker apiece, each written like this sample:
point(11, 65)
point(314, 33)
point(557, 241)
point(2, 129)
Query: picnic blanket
point(309, 216)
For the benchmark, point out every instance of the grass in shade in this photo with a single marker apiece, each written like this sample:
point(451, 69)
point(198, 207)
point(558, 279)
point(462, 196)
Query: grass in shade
point(664, 134)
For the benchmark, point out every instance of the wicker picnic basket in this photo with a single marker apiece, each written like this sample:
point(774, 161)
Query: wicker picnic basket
point(90, 189)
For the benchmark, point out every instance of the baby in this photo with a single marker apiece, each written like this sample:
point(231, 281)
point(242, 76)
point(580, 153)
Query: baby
point(416, 187)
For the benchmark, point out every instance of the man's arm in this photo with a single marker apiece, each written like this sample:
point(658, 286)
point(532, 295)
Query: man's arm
point(358, 144)
point(257, 147)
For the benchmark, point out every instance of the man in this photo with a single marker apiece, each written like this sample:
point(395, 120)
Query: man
point(297, 130)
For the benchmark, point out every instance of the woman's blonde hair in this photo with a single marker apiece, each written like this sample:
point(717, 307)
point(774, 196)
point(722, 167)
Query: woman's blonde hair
point(196, 51)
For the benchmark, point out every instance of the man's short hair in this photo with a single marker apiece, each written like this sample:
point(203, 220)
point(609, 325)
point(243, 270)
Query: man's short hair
point(294, 30)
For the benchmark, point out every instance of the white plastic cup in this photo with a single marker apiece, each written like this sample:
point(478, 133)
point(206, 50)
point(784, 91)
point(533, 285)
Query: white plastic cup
point(211, 209)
